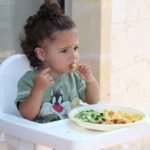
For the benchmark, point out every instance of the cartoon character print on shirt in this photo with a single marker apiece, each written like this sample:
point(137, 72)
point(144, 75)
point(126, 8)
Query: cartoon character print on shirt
point(57, 105)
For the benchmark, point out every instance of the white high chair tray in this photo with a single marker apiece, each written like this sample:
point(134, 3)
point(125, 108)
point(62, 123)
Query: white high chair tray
point(66, 135)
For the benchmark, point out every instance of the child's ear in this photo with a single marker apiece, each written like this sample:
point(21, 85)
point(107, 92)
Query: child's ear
point(40, 52)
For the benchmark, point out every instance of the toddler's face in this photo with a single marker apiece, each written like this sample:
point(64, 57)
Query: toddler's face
point(63, 51)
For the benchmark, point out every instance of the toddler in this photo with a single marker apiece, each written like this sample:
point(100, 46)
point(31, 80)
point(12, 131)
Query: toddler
point(58, 81)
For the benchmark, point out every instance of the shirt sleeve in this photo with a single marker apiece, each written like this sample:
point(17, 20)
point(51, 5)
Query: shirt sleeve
point(24, 87)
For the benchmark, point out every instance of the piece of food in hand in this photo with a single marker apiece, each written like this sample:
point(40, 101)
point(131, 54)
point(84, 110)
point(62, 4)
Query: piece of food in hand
point(74, 66)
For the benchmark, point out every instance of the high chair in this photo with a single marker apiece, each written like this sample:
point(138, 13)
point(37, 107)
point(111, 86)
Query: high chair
point(17, 133)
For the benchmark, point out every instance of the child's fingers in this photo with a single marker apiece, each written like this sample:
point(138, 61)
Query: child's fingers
point(50, 81)
point(80, 68)
point(46, 75)
point(83, 69)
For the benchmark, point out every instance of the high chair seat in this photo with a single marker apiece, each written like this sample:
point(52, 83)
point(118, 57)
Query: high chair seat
point(10, 72)
point(17, 133)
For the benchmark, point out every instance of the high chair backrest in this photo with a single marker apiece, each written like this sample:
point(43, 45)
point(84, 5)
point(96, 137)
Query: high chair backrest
point(11, 70)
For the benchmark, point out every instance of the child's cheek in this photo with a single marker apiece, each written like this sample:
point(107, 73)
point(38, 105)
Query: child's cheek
point(60, 64)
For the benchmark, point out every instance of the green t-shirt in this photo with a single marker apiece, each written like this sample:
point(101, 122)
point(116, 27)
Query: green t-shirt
point(58, 99)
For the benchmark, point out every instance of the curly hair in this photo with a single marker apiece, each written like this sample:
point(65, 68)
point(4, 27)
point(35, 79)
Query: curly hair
point(48, 20)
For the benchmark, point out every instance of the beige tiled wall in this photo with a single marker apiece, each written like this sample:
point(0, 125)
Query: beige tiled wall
point(130, 53)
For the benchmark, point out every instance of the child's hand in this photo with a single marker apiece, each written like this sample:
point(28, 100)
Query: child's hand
point(43, 80)
point(85, 73)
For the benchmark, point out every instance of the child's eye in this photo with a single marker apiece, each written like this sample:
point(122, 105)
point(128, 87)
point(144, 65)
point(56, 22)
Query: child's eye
point(76, 48)
point(64, 51)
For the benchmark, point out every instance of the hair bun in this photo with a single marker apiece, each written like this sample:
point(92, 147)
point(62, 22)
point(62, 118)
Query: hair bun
point(50, 9)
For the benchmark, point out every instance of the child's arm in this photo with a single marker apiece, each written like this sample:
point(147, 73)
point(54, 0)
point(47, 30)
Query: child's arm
point(30, 107)
point(92, 90)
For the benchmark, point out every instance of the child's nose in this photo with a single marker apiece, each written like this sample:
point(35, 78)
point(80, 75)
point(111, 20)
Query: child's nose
point(73, 55)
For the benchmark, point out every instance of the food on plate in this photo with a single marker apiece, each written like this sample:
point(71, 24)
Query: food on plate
point(108, 116)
